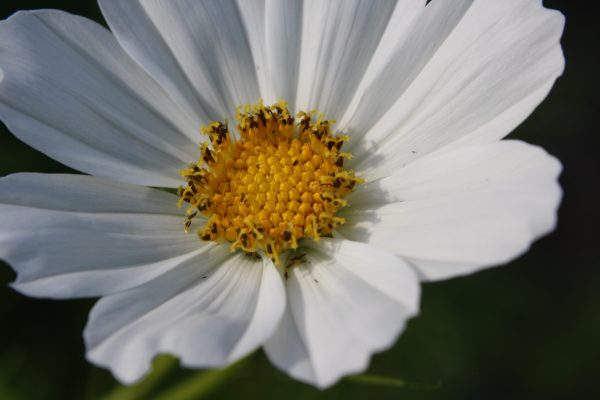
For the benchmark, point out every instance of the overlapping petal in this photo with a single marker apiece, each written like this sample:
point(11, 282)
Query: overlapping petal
point(347, 301)
point(468, 71)
point(198, 50)
point(71, 92)
point(80, 236)
point(209, 311)
point(339, 37)
point(455, 212)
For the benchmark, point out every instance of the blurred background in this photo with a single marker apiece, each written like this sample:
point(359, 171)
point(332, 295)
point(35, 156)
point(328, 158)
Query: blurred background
point(528, 330)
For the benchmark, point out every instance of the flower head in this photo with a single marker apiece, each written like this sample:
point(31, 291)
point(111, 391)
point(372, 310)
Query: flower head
point(290, 231)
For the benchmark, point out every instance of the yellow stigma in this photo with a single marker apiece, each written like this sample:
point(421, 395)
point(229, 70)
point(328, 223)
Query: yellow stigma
point(281, 181)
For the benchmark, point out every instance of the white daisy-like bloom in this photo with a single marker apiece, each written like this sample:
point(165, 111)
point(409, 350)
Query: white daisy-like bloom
point(292, 243)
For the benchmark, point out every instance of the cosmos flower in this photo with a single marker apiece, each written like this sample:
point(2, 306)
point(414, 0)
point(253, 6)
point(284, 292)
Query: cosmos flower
point(327, 156)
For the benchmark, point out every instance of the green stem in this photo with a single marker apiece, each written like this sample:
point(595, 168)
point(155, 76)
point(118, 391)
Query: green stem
point(391, 382)
point(377, 380)
point(200, 384)
point(160, 369)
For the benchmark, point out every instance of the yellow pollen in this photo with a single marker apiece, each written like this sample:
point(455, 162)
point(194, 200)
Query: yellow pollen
point(283, 180)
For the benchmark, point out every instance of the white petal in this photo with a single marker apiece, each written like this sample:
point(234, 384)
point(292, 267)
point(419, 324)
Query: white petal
point(70, 91)
point(348, 301)
point(77, 236)
point(467, 72)
point(397, 28)
point(208, 311)
point(455, 212)
point(339, 38)
point(283, 43)
point(198, 50)
point(274, 30)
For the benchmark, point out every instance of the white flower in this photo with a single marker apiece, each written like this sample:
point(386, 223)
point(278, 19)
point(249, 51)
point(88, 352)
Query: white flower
point(424, 92)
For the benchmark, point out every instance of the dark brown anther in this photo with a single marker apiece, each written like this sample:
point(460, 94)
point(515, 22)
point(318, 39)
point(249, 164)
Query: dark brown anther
point(208, 156)
point(261, 116)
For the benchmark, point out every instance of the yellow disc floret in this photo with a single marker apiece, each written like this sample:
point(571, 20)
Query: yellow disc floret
point(282, 180)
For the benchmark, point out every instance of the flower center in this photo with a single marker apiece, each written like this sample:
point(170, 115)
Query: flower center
point(281, 181)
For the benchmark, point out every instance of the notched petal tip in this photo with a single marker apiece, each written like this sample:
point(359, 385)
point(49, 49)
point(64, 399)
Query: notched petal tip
point(346, 302)
point(208, 312)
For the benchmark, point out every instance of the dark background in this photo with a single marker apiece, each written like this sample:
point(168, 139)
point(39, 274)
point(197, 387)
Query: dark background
point(528, 330)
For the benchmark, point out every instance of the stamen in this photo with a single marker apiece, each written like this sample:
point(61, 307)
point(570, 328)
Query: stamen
point(282, 181)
